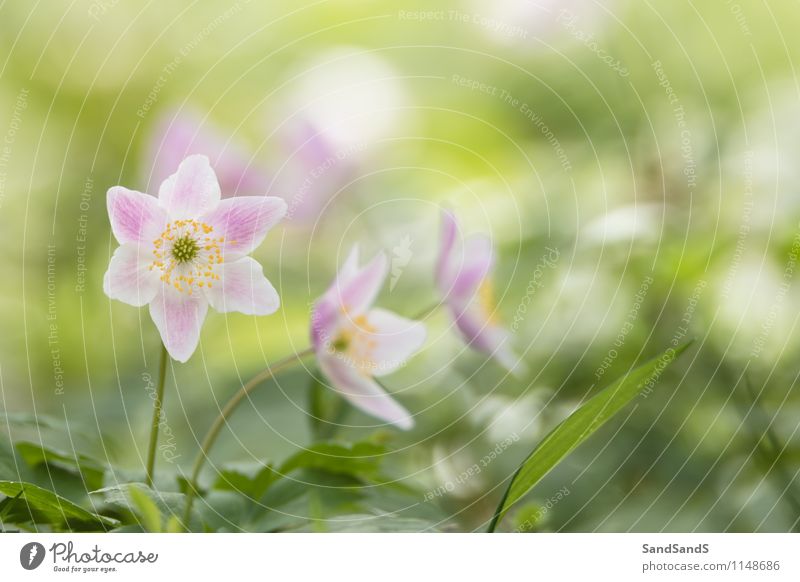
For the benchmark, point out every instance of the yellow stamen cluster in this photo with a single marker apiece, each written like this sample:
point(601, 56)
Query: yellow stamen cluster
point(187, 253)
point(357, 342)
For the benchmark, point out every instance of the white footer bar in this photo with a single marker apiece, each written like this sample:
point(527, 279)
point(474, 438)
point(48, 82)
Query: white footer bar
point(388, 557)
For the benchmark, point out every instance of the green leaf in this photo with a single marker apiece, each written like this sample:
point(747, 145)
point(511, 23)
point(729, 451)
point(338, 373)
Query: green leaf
point(90, 470)
point(222, 511)
point(125, 497)
point(8, 464)
point(174, 525)
point(251, 480)
point(579, 426)
point(360, 459)
point(27, 502)
point(39, 421)
point(285, 506)
point(365, 523)
point(146, 509)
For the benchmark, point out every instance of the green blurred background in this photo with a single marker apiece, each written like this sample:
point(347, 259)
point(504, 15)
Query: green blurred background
point(652, 146)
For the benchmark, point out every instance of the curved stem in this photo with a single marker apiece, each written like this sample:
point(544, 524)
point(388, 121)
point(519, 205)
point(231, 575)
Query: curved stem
point(427, 312)
point(221, 420)
point(158, 404)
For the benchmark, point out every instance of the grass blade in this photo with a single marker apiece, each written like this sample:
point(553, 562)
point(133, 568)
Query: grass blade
point(579, 426)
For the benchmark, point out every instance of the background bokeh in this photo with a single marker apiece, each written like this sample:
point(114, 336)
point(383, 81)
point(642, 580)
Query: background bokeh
point(634, 163)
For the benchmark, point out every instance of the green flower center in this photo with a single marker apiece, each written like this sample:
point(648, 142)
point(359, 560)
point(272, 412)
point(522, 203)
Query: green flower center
point(340, 344)
point(185, 249)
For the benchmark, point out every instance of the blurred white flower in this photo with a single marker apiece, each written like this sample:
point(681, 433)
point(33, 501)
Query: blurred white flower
point(756, 307)
point(766, 162)
point(350, 96)
point(342, 103)
point(514, 21)
point(456, 472)
point(640, 222)
point(180, 133)
point(502, 416)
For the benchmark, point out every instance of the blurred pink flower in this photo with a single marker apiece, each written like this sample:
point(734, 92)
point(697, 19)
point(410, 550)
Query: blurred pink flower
point(340, 107)
point(355, 343)
point(187, 249)
point(314, 172)
point(180, 134)
point(462, 277)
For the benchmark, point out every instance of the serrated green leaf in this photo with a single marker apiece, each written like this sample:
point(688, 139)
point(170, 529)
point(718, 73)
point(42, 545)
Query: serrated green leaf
point(249, 480)
point(223, 511)
point(36, 420)
point(91, 471)
point(365, 523)
point(168, 503)
point(579, 426)
point(27, 502)
point(360, 459)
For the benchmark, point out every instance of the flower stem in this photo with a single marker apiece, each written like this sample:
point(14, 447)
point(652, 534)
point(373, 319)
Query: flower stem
point(158, 404)
point(221, 420)
point(427, 312)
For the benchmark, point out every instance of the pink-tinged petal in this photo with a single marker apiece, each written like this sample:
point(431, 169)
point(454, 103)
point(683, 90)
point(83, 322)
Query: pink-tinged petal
point(350, 267)
point(129, 278)
point(308, 144)
point(314, 172)
point(508, 358)
point(135, 217)
point(179, 318)
point(244, 221)
point(445, 272)
point(347, 271)
point(462, 268)
point(180, 134)
point(486, 336)
point(244, 288)
point(357, 292)
point(462, 263)
point(191, 191)
point(362, 391)
point(473, 266)
point(328, 311)
point(325, 319)
point(395, 339)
